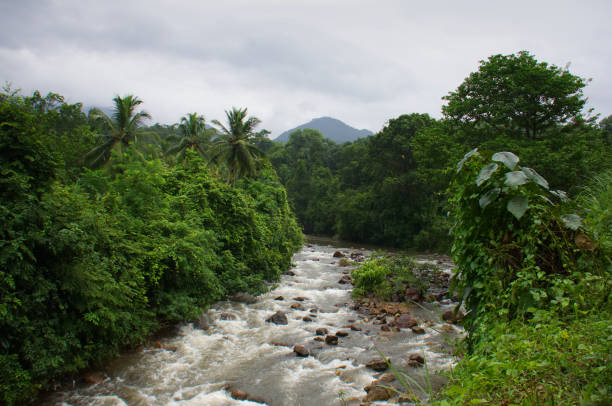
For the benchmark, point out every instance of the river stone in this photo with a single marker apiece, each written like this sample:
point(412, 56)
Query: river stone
point(338, 254)
point(228, 316)
point(239, 395)
point(279, 298)
point(297, 306)
point(354, 327)
point(412, 294)
point(289, 272)
point(450, 317)
point(243, 297)
point(377, 393)
point(300, 298)
point(202, 322)
point(307, 319)
point(331, 340)
point(321, 331)
point(405, 321)
point(345, 279)
point(93, 377)
point(342, 333)
point(300, 351)
point(416, 360)
point(378, 365)
point(418, 330)
point(278, 318)
point(318, 338)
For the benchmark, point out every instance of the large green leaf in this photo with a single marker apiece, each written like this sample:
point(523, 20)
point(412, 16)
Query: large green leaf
point(572, 221)
point(508, 159)
point(516, 178)
point(465, 158)
point(485, 173)
point(535, 177)
point(488, 197)
point(518, 206)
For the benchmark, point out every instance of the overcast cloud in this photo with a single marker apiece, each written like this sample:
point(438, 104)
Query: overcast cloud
point(289, 61)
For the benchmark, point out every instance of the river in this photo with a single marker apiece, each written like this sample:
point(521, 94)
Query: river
point(196, 367)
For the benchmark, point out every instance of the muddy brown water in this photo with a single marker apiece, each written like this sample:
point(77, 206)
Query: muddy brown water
point(241, 352)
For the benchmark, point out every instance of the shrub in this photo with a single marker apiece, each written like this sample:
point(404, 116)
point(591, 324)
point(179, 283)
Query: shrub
point(516, 247)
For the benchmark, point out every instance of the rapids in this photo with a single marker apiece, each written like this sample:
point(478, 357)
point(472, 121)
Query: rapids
point(194, 366)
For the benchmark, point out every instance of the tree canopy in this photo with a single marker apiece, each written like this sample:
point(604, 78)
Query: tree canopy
point(517, 95)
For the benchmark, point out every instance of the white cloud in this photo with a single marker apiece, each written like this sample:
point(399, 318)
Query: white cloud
point(289, 61)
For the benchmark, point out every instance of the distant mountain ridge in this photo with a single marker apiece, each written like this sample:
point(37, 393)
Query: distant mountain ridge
point(331, 128)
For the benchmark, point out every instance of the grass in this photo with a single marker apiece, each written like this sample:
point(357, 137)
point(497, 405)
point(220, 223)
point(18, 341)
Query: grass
point(550, 362)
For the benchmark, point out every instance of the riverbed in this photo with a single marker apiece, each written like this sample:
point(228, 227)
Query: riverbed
point(243, 352)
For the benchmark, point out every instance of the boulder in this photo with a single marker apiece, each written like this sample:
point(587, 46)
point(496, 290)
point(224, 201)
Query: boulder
point(377, 393)
point(243, 297)
point(202, 322)
point(412, 294)
point(239, 395)
point(331, 340)
point(300, 351)
point(321, 331)
point(405, 321)
point(450, 317)
point(345, 280)
point(416, 360)
point(338, 254)
point(278, 318)
point(93, 378)
point(377, 364)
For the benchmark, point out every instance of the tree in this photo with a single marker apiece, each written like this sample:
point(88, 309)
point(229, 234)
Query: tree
point(234, 144)
point(517, 95)
point(120, 130)
point(193, 135)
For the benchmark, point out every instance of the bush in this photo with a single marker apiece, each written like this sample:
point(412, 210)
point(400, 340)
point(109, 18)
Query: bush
point(386, 277)
point(543, 362)
point(517, 248)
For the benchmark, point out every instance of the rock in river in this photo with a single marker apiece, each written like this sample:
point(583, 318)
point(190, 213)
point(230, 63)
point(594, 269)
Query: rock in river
point(377, 364)
point(331, 340)
point(278, 318)
point(300, 351)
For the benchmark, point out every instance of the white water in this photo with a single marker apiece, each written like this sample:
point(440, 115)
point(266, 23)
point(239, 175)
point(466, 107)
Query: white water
point(240, 352)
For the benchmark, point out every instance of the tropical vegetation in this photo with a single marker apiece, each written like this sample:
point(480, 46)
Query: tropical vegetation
point(93, 261)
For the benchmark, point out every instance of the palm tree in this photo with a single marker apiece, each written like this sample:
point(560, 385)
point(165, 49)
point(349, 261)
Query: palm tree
point(193, 135)
point(234, 144)
point(120, 129)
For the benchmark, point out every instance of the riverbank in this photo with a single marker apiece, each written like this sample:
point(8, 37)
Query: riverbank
point(206, 366)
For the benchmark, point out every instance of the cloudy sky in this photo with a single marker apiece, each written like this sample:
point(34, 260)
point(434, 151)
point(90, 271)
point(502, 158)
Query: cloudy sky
point(289, 61)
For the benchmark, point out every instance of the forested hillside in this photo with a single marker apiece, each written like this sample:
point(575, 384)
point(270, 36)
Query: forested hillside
point(106, 236)
point(390, 188)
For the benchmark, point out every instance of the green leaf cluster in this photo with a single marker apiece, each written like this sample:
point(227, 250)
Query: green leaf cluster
point(92, 261)
point(518, 247)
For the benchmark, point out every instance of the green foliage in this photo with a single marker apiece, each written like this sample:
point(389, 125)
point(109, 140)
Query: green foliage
point(518, 95)
point(543, 362)
point(233, 145)
point(383, 277)
point(118, 131)
point(514, 251)
point(91, 266)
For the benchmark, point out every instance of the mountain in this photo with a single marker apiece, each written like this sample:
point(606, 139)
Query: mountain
point(331, 128)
